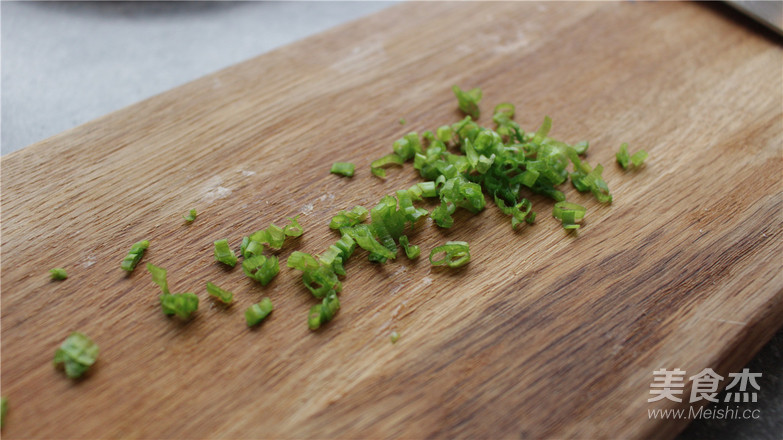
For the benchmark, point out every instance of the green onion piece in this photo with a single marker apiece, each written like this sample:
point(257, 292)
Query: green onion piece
point(257, 312)
point(252, 249)
point(570, 214)
point(261, 268)
point(224, 254)
point(159, 277)
point(402, 121)
point(134, 255)
point(622, 156)
point(3, 410)
point(411, 251)
point(520, 212)
point(444, 133)
point(468, 101)
point(293, 228)
point(322, 313)
point(77, 353)
point(343, 168)
point(301, 261)
point(365, 240)
point(350, 218)
point(180, 304)
point(638, 158)
point(191, 216)
point(223, 295)
point(58, 274)
point(394, 337)
point(581, 147)
point(428, 189)
point(456, 254)
point(377, 166)
point(543, 131)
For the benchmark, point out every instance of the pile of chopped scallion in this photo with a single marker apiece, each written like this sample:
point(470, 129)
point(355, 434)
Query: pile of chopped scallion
point(461, 164)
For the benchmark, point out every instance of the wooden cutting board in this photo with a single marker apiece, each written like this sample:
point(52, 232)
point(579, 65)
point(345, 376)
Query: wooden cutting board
point(543, 334)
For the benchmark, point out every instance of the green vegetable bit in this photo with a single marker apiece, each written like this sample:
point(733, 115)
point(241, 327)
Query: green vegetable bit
point(261, 268)
point(191, 216)
point(77, 353)
point(412, 251)
point(158, 277)
point(223, 295)
point(3, 410)
point(349, 218)
point(623, 158)
point(402, 121)
point(322, 313)
point(274, 236)
point(377, 166)
point(257, 312)
point(224, 254)
point(394, 337)
point(456, 254)
point(468, 101)
point(570, 214)
point(58, 274)
point(343, 168)
point(134, 255)
point(180, 304)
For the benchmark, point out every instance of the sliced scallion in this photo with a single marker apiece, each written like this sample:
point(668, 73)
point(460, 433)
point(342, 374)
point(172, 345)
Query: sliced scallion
point(134, 255)
point(258, 312)
point(224, 254)
point(343, 168)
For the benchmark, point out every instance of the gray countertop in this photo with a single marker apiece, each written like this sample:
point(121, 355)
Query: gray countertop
point(64, 64)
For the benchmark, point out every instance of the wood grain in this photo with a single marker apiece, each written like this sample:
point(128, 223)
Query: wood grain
point(543, 334)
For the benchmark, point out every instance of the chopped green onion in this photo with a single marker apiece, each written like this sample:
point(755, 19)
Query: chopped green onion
point(343, 168)
point(377, 166)
point(261, 268)
point(223, 295)
point(3, 410)
point(444, 133)
point(468, 101)
point(322, 313)
point(456, 254)
point(412, 251)
point(180, 304)
point(159, 277)
point(638, 158)
point(521, 212)
point(251, 248)
point(302, 261)
point(77, 353)
point(134, 255)
point(349, 218)
point(191, 216)
point(570, 214)
point(365, 240)
point(274, 236)
point(622, 156)
point(402, 121)
point(224, 254)
point(257, 312)
point(293, 228)
point(58, 274)
point(624, 159)
point(394, 337)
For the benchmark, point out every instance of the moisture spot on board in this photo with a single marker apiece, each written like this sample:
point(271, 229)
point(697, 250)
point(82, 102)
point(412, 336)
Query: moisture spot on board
point(89, 261)
point(214, 190)
point(426, 281)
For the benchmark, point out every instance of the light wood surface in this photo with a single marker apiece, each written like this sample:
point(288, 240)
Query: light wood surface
point(543, 334)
